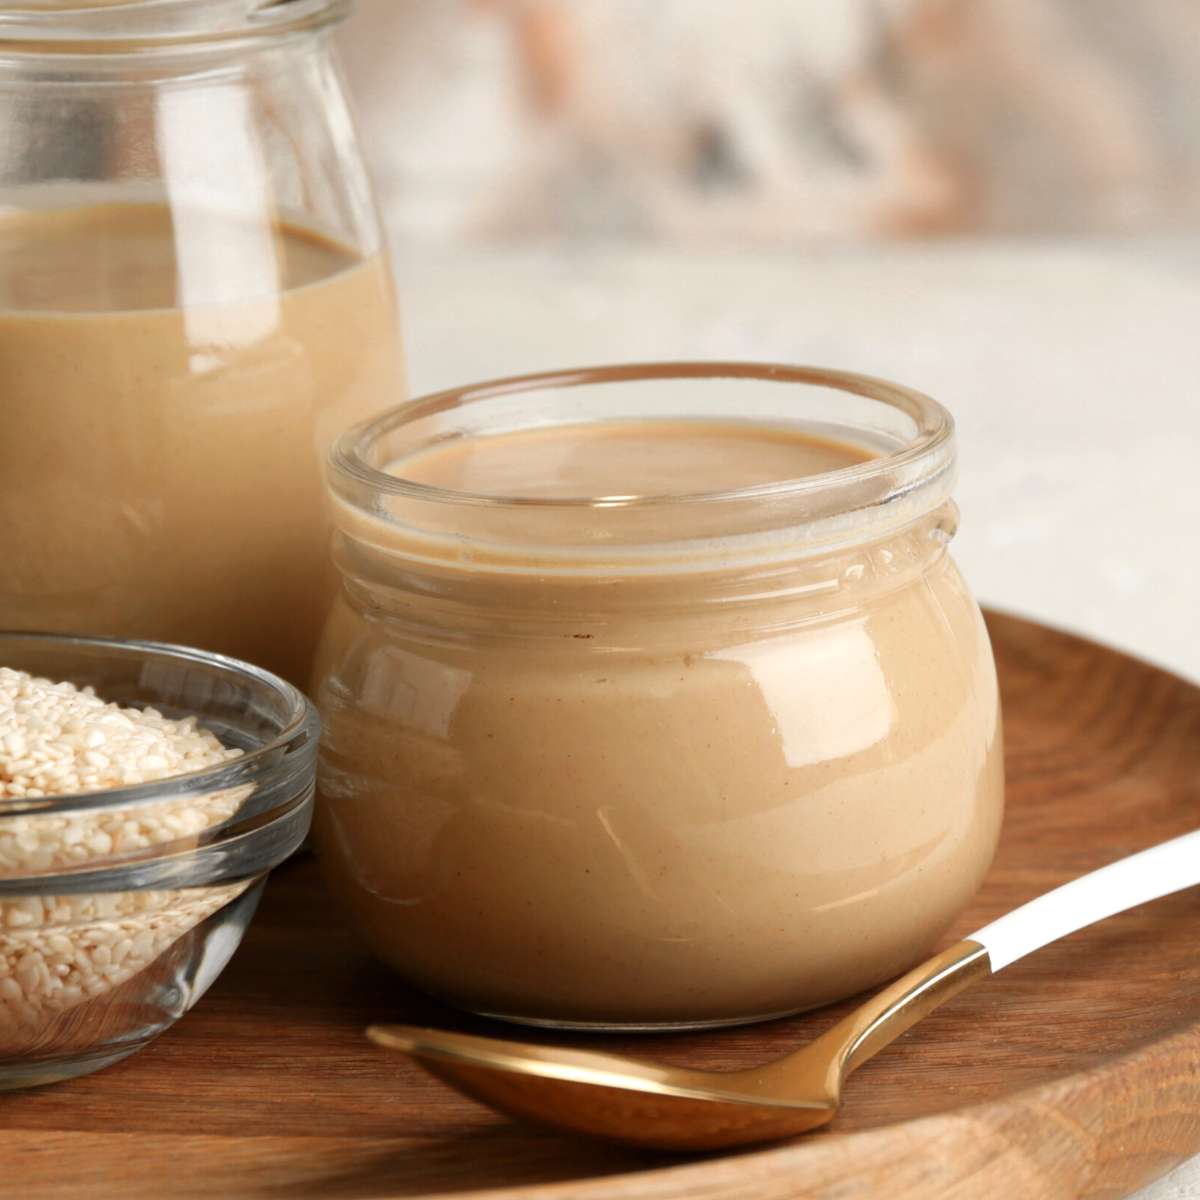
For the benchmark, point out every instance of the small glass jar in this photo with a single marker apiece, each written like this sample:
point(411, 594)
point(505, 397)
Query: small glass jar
point(194, 301)
point(575, 774)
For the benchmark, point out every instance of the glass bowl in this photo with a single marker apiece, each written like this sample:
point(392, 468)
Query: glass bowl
point(119, 908)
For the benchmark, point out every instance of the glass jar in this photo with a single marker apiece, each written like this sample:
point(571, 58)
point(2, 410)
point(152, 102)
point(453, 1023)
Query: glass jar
point(194, 300)
point(635, 761)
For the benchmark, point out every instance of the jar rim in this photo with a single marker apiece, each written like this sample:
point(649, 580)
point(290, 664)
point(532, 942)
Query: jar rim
point(934, 431)
point(86, 27)
point(910, 475)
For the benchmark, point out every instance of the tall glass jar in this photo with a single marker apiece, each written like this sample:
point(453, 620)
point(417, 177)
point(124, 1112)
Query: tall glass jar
point(194, 301)
point(607, 748)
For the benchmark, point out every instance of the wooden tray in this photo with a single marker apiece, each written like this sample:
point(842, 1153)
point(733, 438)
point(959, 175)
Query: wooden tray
point(1074, 1073)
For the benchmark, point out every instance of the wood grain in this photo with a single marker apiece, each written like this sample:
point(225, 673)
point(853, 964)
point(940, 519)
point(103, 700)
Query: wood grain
point(1075, 1073)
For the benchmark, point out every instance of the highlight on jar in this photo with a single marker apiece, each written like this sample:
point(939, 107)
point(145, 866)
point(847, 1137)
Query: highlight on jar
point(660, 678)
point(145, 793)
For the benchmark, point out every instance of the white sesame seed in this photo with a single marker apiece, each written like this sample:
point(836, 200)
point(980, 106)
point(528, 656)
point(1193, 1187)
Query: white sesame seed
point(57, 739)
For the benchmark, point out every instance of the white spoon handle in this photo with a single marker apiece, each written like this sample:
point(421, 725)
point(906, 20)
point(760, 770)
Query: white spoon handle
point(1159, 871)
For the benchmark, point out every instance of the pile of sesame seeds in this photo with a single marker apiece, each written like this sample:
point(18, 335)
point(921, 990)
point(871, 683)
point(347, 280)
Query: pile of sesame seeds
point(58, 951)
point(57, 740)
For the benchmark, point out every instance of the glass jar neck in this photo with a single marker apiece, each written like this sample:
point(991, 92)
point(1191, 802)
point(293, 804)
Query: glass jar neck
point(122, 27)
point(234, 126)
point(445, 601)
point(908, 473)
point(776, 552)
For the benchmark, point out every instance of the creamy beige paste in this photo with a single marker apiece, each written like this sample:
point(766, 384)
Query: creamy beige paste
point(617, 801)
point(169, 382)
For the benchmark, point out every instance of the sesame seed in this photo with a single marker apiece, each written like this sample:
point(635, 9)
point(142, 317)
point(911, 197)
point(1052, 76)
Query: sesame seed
point(57, 739)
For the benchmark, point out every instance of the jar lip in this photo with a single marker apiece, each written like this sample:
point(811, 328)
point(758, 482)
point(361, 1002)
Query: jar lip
point(86, 27)
point(933, 437)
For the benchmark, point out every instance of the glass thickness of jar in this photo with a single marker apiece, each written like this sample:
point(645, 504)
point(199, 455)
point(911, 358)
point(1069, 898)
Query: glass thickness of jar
point(194, 300)
point(579, 774)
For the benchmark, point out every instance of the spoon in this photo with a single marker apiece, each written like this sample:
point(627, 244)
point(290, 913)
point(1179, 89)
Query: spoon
point(673, 1108)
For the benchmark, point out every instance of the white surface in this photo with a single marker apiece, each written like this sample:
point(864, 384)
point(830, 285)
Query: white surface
point(1126, 883)
point(1073, 369)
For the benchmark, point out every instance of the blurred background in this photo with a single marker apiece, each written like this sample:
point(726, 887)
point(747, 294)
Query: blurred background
point(770, 122)
point(996, 201)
